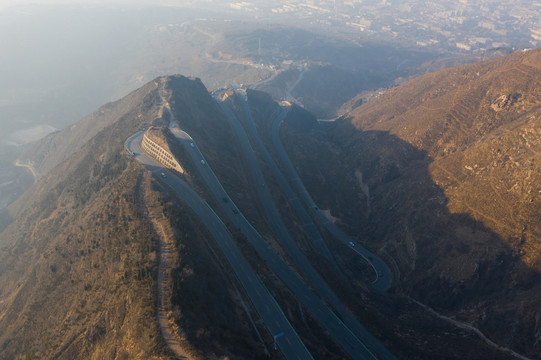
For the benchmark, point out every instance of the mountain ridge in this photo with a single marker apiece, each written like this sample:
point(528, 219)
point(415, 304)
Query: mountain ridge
point(378, 185)
point(83, 229)
point(499, 108)
point(452, 167)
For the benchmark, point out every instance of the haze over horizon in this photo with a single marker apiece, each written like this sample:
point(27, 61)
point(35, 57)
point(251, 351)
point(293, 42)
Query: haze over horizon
point(60, 60)
point(68, 50)
point(321, 179)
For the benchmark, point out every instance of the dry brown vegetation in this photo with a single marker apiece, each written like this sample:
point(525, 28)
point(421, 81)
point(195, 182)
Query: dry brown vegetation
point(480, 125)
point(167, 259)
point(452, 163)
point(205, 306)
point(77, 267)
point(79, 262)
point(409, 331)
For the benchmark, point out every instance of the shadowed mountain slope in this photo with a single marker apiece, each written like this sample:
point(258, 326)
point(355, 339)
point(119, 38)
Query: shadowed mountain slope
point(75, 264)
point(441, 176)
point(78, 263)
point(481, 124)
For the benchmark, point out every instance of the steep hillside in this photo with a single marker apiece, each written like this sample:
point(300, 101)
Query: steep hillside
point(392, 316)
point(79, 262)
point(442, 177)
point(481, 125)
point(76, 263)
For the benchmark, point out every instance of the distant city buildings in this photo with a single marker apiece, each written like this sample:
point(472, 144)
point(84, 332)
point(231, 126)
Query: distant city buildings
point(463, 25)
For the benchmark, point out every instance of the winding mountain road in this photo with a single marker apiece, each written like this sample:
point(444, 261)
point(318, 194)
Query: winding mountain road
point(345, 330)
point(383, 274)
point(311, 275)
point(337, 329)
point(274, 319)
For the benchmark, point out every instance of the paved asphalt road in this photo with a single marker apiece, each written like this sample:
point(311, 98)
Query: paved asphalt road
point(267, 201)
point(313, 303)
point(383, 273)
point(305, 218)
point(273, 215)
point(274, 319)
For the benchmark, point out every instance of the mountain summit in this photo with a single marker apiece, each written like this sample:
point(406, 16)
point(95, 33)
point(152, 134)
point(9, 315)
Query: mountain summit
point(411, 230)
point(78, 262)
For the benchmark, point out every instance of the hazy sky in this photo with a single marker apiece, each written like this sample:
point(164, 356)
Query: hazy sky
point(8, 3)
point(61, 59)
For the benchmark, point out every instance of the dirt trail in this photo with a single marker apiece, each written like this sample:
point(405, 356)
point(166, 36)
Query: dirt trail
point(470, 327)
point(167, 257)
